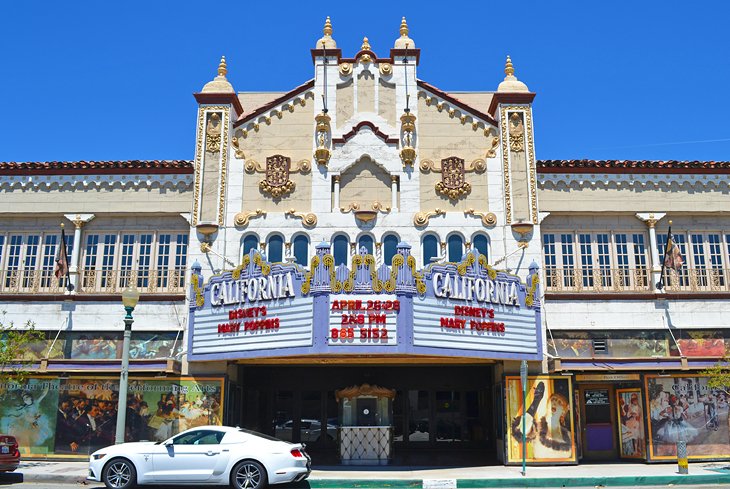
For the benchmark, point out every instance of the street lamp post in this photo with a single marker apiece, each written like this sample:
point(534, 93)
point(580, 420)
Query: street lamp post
point(130, 297)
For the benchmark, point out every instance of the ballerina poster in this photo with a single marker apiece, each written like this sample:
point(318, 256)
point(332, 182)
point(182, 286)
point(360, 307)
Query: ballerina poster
point(686, 408)
point(548, 420)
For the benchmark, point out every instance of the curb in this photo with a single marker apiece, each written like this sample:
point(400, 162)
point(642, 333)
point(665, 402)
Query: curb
point(538, 482)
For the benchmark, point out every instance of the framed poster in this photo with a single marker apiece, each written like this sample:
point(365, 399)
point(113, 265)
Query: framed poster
point(684, 407)
point(630, 412)
point(549, 428)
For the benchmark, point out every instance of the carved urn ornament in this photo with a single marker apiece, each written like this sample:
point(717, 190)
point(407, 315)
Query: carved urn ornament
point(408, 127)
point(322, 153)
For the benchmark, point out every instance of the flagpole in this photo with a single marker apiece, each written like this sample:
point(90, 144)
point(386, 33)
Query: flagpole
point(660, 284)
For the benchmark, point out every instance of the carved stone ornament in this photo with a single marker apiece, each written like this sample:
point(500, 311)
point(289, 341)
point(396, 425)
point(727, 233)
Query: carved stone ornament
point(516, 133)
point(322, 152)
point(408, 126)
point(309, 219)
point(489, 219)
point(453, 184)
point(422, 218)
point(386, 69)
point(492, 151)
point(277, 183)
point(242, 218)
point(238, 151)
point(345, 69)
point(213, 133)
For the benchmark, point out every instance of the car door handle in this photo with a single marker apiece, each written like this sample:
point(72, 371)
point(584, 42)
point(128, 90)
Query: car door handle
point(224, 450)
point(211, 452)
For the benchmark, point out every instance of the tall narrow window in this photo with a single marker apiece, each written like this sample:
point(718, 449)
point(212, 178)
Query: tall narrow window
point(181, 257)
point(566, 251)
point(250, 242)
point(603, 250)
point(390, 245)
point(90, 251)
point(430, 248)
point(681, 241)
point(31, 257)
point(480, 244)
point(144, 260)
point(301, 249)
point(163, 259)
point(49, 260)
point(551, 263)
point(276, 249)
point(714, 242)
point(586, 259)
point(456, 248)
point(698, 255)
point(365, 241)
point(339, 249)
point(107, 259)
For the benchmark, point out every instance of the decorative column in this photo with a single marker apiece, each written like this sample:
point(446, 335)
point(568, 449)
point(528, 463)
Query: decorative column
point(336, 180)
point(394, 192)
point(79, 220)
point(650, 219)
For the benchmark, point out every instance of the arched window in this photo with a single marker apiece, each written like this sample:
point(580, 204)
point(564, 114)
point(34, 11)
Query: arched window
point(339, 249)
point(480, 243)
point(365, 241)
point(390, 243)
point(301, 249)
point(250, 242)
point(455, 247)
point(275, 253)
point(430, 248)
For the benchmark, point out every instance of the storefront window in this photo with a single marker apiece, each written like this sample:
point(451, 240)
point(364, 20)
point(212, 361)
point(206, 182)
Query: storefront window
point(284, 415)
point(419, 412)
point(448, 416)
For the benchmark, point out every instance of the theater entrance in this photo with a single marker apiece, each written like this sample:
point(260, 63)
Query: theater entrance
point(437, 416)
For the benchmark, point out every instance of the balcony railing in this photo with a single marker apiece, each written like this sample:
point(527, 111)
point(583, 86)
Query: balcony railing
point(603, 280)
point(94, 281)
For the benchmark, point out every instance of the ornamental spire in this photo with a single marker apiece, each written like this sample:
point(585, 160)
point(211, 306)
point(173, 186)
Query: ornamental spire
point(365, 44)
point(222, 68)
point(404, 42)
point(511, 83)
point(326, 41)
point(509, 70)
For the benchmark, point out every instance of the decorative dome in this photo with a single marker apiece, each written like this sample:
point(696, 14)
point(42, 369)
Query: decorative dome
point(326, 41)
point(404, 42)
point(220, 83)
point(511, 83)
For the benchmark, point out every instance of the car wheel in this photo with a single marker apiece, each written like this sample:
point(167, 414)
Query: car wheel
point(119, 474)
point(248, 474)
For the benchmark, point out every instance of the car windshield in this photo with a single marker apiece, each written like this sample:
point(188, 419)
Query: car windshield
point(256, 433)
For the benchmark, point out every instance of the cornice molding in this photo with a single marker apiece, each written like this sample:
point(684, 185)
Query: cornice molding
point(11, 183)
point(633, 166)
point(627, 181)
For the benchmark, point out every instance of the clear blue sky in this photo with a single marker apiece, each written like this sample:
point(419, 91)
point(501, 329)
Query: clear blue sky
point(114, 80)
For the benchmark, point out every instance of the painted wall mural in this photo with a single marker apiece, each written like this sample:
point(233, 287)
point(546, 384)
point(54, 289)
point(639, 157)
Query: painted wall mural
point(686, 408)
point(549, 430)
point(76, 416)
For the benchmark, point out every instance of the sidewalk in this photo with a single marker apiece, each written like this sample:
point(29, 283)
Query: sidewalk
point(586, 475)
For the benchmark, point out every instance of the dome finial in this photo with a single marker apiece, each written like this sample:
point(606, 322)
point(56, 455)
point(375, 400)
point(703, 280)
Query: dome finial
point(365, 44)
point(511, 83)
point(326, 41)
point(509, 70)
point(327, 31)
point(404, 42)
point(220, 83)
point(403, 28)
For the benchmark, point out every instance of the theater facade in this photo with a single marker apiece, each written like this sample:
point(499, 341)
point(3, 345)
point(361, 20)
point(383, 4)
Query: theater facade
point(364, 263)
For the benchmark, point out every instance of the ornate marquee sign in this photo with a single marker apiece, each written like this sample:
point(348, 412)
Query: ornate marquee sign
point(261, 309)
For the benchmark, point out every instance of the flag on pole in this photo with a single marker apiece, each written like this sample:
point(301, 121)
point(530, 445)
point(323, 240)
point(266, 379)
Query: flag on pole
point(672, 255)
point(61, 267)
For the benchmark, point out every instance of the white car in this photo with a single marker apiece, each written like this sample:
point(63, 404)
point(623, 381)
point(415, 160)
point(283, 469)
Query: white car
point(216, 455)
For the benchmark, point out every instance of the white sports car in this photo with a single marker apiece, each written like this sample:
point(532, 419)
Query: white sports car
point(216, 455)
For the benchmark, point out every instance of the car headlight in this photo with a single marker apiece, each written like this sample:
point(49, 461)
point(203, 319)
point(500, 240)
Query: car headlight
point(98, 456)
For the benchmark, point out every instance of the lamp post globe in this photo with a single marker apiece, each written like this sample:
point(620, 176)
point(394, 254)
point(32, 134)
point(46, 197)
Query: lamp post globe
point(130, 297)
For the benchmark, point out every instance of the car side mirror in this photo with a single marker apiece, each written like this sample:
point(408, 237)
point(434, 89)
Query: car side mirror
point(168, 443)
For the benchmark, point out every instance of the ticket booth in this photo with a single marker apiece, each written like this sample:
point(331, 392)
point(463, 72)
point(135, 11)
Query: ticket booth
point(365, 434)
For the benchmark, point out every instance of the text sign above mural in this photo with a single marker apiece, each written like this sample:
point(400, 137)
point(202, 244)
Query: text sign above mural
point(368, 319)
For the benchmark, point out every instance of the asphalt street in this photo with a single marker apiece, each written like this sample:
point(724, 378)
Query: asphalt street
point(45, 485)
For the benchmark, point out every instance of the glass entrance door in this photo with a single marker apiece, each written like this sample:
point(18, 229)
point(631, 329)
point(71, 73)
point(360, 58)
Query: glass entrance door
point(599, 422)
